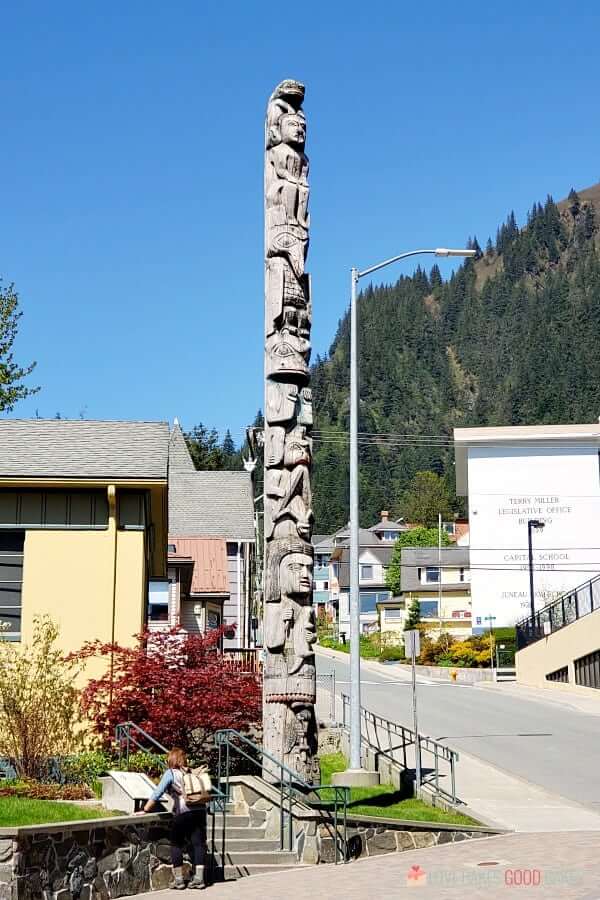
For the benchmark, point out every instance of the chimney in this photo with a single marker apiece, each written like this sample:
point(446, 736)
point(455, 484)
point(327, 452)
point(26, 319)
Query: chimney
point(384, 515)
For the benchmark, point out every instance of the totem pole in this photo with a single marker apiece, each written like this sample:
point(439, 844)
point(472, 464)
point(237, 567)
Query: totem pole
point(290, 731)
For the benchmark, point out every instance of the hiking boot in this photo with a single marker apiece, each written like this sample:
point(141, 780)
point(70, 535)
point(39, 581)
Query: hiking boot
point(178, 884)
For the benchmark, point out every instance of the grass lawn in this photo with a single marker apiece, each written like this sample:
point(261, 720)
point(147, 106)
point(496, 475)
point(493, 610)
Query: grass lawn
point(384, 800)
point(22, 811)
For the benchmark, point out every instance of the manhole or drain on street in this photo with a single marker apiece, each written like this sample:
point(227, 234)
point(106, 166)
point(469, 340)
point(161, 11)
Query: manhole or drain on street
point(489, 863)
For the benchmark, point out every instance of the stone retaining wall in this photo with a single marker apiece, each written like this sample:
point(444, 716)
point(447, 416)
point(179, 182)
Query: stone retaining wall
point(92, 860)
point(373, 840)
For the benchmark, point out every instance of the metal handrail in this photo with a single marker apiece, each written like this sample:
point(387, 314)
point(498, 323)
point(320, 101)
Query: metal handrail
point(422, 743)
point(291, 786)
point(571, 606)
point(127, 732)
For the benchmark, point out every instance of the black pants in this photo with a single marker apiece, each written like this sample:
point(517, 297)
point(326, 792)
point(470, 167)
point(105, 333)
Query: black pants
point(189, 827)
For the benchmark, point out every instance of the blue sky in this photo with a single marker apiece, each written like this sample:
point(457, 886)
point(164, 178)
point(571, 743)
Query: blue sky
point(131, 162)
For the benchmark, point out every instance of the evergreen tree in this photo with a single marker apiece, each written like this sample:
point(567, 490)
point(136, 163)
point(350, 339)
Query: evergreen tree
point(489, 248)
point(414, 615)
point(228, 446)
point(204, 447)
point(11, 374)
point(425, 498)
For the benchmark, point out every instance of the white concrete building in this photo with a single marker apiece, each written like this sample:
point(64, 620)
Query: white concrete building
point(512, 475)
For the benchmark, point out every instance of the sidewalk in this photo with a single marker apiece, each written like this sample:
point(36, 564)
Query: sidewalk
point(550, 867)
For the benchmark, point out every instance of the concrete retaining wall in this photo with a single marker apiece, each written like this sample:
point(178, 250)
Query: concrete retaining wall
point(463, 676)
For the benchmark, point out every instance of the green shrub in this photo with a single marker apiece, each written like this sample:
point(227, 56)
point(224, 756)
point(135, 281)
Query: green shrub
point(151, 764)
point(87, 767)
point(392, 653)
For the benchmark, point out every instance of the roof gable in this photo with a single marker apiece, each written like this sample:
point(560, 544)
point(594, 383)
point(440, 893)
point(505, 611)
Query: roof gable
point(212, 504)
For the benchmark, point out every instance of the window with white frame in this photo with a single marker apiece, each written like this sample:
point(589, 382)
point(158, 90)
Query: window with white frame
point(432, 574)
point(366, 572)
point(393, 614)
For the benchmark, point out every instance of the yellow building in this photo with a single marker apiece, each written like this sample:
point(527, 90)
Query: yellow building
point(83, 526)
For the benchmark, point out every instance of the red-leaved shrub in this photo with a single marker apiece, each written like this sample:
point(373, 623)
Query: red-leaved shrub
point(176, 686)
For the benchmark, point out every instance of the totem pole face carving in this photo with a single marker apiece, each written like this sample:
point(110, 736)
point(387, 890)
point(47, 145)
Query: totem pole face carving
point(293, 131)
point(295, 575)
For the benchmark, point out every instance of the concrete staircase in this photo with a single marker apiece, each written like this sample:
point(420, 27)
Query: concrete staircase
point(247, 849)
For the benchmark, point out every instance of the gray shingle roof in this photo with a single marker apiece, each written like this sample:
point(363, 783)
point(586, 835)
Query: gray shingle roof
point(414, 558)
point(81, 449)
point(211, 504)
point(179, 455)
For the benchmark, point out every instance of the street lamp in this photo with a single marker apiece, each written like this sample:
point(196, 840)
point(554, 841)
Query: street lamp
point(355, 774)
point(538, 525)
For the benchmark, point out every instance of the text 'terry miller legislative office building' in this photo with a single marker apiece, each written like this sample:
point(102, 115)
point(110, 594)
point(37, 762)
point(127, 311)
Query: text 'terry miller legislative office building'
point(549, 473)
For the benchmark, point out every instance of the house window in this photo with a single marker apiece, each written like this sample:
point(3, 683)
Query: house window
point(11, 580)
point(462, 575)
point(432, 574)
point(325, 585)
point(368, 602)
point(366, 573)
point(158, 600)
point(429, 609)
point(132, 510)
point(172, 548)
point(393, 614)
point(389, 535)
point(232, 549)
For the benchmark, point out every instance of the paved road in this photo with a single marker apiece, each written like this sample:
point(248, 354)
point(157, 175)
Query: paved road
point(548, 867)
point(543, 741)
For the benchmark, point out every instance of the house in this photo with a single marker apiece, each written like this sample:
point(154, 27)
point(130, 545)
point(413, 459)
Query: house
point(331, 573)
point(211, 548)
point(374, 558)
point(388, 530)
point(440, 581)
point(392, 615)
point(83, 526)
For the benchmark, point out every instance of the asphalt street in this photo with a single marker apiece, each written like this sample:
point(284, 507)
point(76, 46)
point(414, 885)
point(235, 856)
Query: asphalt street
point(546, 742)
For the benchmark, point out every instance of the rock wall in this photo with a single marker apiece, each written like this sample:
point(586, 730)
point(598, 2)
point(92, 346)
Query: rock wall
point(365, 840)
point(95, 860)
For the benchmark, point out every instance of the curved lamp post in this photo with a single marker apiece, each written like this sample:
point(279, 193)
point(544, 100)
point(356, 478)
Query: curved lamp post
point(355, 774)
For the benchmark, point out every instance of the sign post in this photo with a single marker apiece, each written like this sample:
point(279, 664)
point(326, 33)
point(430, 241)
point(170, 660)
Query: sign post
point(491, 619)
point(412, 645)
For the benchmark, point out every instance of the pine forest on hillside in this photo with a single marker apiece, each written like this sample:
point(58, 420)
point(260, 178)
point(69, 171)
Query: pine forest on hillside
point(510, 339)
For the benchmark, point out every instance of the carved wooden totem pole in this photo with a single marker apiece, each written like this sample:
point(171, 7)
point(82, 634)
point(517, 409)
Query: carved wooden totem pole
point(290, 732)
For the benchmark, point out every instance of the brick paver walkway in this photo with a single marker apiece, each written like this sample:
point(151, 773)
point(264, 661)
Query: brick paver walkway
point(551, 866)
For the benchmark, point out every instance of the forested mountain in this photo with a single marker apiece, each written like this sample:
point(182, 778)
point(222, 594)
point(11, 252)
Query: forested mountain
point(511, 339)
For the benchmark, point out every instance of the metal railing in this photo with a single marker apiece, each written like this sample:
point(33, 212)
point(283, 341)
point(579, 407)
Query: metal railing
point(571, 606)
point(128, 735)
point(244, 659)
point(289, 785)
point(391, 741)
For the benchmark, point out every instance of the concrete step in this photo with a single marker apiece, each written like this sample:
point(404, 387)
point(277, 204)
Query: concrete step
point(257, 858)
point(244, 844)
point(232, 873)
point(233, 832)
point(232, 821)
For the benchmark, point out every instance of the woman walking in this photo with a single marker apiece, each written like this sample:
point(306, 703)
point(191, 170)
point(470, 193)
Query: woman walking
point(189, 825)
